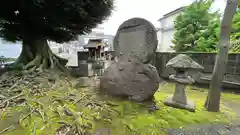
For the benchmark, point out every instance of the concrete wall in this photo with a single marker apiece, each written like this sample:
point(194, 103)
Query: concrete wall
point(207, 60)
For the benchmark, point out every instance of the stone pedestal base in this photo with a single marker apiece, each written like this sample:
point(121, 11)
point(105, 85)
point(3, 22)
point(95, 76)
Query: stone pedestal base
point(190, 105)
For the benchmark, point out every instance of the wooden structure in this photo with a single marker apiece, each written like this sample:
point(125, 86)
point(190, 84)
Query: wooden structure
point(95, 48)
point(96, 55)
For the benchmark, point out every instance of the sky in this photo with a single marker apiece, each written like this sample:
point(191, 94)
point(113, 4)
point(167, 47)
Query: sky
point(151, 10)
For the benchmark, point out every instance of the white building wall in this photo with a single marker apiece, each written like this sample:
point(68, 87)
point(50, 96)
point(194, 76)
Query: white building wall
point(159, 37)
point(165, 34)
point(167, 41)
point(168, 22)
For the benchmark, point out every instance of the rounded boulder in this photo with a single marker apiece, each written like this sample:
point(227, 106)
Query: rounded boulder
point(134, 80)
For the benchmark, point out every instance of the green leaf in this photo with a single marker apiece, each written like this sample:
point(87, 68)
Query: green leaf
point(195, 22)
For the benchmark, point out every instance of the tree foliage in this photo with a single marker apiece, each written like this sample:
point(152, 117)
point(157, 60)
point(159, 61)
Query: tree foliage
point(191, 24)
point(235, 46)
point(34, 22)
point(57, 20)
point(206, 39)
point(236, 26)
point(210, 36)
point(235, 35)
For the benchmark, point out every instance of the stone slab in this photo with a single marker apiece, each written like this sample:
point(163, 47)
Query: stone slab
point(136, 38)
point(190, 106)
point(133, 74)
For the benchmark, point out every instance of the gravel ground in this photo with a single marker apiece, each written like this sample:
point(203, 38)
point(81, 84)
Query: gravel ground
point(211, 129)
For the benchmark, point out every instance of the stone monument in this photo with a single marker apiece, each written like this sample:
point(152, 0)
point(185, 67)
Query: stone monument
point(181, 63)
point(132, 74)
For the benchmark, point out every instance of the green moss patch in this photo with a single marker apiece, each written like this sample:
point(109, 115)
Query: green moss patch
point(85, 111)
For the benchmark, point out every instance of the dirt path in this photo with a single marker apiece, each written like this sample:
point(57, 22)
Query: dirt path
point(214, 129)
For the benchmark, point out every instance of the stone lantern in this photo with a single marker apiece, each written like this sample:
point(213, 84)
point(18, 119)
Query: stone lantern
point(181, 63)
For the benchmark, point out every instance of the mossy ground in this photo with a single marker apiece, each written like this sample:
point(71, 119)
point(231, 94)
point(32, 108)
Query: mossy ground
point(86, 111)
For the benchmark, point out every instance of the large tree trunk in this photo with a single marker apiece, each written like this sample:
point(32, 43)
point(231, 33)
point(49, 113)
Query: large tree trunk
point(37, 55)
point(213, 100)
point(26, 54)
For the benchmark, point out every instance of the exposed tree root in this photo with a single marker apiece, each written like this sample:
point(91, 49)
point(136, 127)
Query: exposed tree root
point(29, 88)
point(6, 129)
point(35, 62)
point(13, 85)
point(37, 56)
point(12, 98)
point(40, 63)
